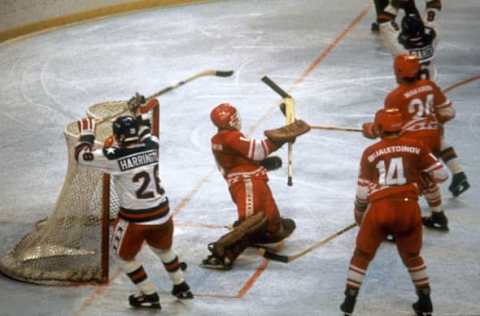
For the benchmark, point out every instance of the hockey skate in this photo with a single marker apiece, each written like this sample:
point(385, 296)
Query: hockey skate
point(437, 221)
point(349, 302)
point(375, 28)
point(216, 262)
point(141, 300)
point(423, 307)
point(182, 291)
point(459, 184)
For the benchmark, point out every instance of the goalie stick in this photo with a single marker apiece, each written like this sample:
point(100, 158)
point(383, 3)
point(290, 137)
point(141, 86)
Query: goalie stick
point(205, 73)
point(268, 254)
point(288, 111)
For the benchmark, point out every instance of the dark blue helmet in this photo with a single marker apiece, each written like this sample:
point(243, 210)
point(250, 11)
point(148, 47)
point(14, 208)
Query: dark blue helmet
point(412, 24)
point(125, 129)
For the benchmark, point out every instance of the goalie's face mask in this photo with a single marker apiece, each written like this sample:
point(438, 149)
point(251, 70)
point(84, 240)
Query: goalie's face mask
point(125, 130)
point(225, 116)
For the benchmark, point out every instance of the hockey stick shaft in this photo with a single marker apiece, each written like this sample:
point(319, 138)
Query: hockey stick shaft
point(289, 116)
point(285, 259)
point(209, 72)
point(336, 128)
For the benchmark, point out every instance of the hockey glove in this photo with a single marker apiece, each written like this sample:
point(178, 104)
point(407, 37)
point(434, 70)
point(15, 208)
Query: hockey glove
point(369, 130)
point(271, 163)
point(87, 130)
point(287, 133)
point(135, 102)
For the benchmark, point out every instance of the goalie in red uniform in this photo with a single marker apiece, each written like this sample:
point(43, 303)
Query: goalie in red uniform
point(144, 215)
point(386, 203)
point(243, 163)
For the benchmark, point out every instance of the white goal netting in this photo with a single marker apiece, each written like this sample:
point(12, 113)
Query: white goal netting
point(71, 244)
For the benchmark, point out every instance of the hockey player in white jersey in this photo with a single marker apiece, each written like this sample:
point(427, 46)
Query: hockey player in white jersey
point(387, 11)
point(144, 215)
point(413, 38)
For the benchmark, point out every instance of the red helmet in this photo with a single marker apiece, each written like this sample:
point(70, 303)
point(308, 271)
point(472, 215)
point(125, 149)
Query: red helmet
point(225, 116)
point(389, 120)
point(406, 66)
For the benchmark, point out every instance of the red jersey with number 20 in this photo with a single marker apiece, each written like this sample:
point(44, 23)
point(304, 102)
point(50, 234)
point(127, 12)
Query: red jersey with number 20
point(422, 105)
point(392, 168)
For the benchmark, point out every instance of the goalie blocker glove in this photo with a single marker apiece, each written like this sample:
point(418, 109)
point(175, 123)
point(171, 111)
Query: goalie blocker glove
point(271, 163)
point(287, 133)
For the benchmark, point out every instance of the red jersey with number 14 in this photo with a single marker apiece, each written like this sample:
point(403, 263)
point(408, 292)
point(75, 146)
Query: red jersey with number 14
point(392, 167)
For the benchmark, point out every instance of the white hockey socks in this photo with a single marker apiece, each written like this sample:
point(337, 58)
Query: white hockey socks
point(171, 264)
point(135, 272)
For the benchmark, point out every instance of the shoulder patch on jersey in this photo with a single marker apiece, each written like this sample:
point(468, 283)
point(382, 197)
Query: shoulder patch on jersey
point(110, 153)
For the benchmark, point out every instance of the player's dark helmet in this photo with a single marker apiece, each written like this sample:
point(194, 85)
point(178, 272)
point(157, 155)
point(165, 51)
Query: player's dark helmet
point(125, 129)
point(412, 24)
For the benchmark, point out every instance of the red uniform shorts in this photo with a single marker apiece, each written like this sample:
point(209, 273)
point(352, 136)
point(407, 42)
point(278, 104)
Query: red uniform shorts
point(400, 217)
point(253, 195)
point(128, 237)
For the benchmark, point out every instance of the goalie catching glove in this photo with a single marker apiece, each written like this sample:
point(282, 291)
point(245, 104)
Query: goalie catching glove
point(287, 133)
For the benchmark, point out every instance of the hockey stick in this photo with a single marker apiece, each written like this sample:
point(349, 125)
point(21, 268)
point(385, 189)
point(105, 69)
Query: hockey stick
point(336, 128)
point(286, 259)
point(288, 110)
point(205, 73)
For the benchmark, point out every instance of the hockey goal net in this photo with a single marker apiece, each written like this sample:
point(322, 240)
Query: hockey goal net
point(72, 244)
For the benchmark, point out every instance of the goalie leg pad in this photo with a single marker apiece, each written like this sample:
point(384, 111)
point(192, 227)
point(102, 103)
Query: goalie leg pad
point(242, 231)
point(231, 245)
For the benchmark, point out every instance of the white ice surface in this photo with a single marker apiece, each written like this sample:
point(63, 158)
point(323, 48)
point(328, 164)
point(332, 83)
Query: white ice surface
point(49, 80)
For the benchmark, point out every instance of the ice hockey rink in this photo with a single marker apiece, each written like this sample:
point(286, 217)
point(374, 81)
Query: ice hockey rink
point(324, 54)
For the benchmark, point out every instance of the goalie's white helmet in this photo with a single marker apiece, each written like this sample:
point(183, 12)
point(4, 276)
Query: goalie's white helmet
point(125, 129)
point(225, 116)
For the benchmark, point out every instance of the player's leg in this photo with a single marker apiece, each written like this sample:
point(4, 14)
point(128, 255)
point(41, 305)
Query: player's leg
point(278, 228)
point(127, 242)
point(380, 6)
point(437, 219)
point(459, 182)
point(159, 238)
point(409, 245)
point(369, 237)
